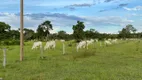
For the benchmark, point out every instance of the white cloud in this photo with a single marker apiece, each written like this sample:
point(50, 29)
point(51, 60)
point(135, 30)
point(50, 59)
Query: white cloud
point(62, 22)
point(62, 3)
point(55, 29)
point(109, 20)
point(137, 8)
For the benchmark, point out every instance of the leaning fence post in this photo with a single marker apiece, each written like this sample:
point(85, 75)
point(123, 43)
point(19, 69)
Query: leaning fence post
point(4, 57)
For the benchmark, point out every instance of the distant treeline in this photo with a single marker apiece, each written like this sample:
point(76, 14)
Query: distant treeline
point(42, 33)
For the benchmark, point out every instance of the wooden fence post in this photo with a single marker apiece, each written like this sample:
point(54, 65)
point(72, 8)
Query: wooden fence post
point(63, 48)
point(4, 57)
point(41, 52)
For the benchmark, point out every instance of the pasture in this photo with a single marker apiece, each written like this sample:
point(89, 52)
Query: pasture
point(121, 61)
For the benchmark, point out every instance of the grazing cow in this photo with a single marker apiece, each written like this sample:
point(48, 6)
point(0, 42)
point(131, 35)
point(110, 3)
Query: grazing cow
point(96, 40)
point(114, 41)
point(107, 42)
point(37, 44)
point(89, 42)
point(81, 44)
point(50, 44)
point(62, 40)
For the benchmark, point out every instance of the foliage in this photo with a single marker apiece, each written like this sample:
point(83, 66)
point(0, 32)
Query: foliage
point(4, 30)
point(10, 42)
point(28, 34)
point(127, 31)
point(92, 33)
point(130, 29)
point(15, 34)
point(43, 33)
point(62, 35)
point(78, 31)
point(43, 29)
point(4, 27)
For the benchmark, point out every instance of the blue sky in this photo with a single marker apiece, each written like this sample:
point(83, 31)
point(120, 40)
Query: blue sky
point(107, 16)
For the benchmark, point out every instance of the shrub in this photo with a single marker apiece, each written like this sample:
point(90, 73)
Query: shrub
point(10, 42)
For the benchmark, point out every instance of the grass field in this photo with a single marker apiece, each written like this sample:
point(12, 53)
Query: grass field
point(121, 61)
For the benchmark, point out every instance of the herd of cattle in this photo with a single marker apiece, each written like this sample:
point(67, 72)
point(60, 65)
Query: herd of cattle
point(82, 44)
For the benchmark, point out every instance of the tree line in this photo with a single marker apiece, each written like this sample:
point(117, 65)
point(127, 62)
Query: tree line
point(43, 33)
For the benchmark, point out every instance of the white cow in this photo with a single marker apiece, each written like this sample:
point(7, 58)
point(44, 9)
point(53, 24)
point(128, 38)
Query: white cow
point(107, 42)
point(62, 40)
point(114, 41)
point(89, 42)
point(109, 39)
point(81, 44)
point(96, 40)
point(50, 44)
point(37, 44)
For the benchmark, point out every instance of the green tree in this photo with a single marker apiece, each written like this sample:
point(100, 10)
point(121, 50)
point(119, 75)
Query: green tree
point(127, 31)
point(43, 29)
point(28, 34)
point(4, 31)
point(62, 35)
point(78, 31)
point(4, 27)
point(14, 34)
point(90, 33)
point(92, 30)
point(130, 28)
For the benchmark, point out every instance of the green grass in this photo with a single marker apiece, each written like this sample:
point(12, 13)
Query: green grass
point(115, 62)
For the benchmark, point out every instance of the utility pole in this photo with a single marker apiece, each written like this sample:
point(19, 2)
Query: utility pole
point(21, 31)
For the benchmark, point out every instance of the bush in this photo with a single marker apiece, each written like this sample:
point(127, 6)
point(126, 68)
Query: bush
point(10, 42)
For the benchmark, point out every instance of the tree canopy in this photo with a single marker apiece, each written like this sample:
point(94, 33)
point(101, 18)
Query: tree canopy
point(78, 31)
point(43, 29)
point(127, 31)
point(43, 32)
point(4, 27)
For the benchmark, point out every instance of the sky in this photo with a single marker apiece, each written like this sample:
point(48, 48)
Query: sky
point(105, 16)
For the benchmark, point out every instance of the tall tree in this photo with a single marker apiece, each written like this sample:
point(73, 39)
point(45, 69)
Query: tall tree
point(4, 27)
point(130, 28)
point(127, 31)
point(4, 31)
point(43, 29)
point(78, 31)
